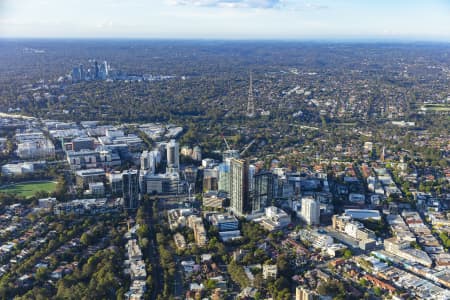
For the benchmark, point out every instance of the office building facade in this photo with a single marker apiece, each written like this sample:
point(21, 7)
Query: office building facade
point(310, 211)
point(263, 191)
point(130, 189)
point(239, 193)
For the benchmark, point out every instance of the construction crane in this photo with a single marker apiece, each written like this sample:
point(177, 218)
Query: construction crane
point(243, 151)
point(226, 143)
point(247, 147)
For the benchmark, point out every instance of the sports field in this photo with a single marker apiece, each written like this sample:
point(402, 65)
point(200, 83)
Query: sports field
point(439, 107)
point(28, 189)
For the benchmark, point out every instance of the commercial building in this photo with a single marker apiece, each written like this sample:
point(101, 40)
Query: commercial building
point(115, 183)
point(150, 160)
point(17, 169)
point(130, 189)
point(173, 156)
point(226, 236)
point(362, 237)
point(164, 184)
point(80, 143)
point(263, 191)
point(224, 177)
point(310, 211)
point(316, 239)
point(224, 222)
point(404, 250)
point(36, 149)
point(96, 189)
point(275, 218)
point(85, 159)
point(210, 179)
point(84, 177)
point(197, 153)
point(239, 192)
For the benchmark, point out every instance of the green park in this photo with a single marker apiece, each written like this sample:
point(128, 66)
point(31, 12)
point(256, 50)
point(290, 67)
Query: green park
point(29, 189)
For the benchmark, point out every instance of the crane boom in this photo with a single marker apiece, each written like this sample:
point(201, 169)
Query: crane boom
point(247, 147)
point(226, 143)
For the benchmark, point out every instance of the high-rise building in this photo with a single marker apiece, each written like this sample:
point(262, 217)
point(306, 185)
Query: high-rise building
point(197, 153)
point(82, 74)
point(96, 70)
point(251, 174)
point(76, 74)
point(264, 190)
point(130, 189)
point(239, 187)
point(224, 176)
point(173, 156)
point(310, 211)
point(149, 161)
point(116, 183)
point(105, 64)
point(228, 154)
point(210, 179)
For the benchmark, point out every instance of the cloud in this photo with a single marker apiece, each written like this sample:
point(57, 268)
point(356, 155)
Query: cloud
point(265, 4)
point(293, 5)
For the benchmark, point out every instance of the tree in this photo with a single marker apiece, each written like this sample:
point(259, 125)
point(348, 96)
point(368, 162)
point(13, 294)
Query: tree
point(86, 239)
point(348, 254)
point(41, 274)
point(331, 288)
point(377, 291)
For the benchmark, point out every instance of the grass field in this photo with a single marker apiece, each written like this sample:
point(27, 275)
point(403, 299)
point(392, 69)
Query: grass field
point(27, 190)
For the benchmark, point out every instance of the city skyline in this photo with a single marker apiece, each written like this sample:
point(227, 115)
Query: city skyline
point(227, 19)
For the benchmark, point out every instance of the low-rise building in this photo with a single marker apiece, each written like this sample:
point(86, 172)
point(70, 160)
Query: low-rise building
point(270, 271)
point(18, 169)
point(224, 222)
point(85, 177)
point(274, 218)
point(213, 199)
point(88, 206)
point(47, 203)
point(403, 250)
point(196, 224)
point(179, 240)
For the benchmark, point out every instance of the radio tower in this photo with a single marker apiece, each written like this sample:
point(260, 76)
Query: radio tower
point(251, 102)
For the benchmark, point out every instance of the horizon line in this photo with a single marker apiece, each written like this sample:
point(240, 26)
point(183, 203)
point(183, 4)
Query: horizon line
point(401, 40)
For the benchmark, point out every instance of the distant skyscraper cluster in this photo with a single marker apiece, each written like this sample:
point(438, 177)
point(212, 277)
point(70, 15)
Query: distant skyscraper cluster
point(95, 72)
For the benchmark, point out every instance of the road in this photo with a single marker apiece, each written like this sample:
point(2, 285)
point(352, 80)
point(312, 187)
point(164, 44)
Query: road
point(153, 256)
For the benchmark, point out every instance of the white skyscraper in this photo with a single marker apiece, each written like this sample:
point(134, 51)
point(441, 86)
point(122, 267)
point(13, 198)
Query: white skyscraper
point(310, 211)
point(173, 155)
point(145, 162)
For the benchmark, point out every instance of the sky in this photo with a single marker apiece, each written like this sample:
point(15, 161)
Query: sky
point(227, 19)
